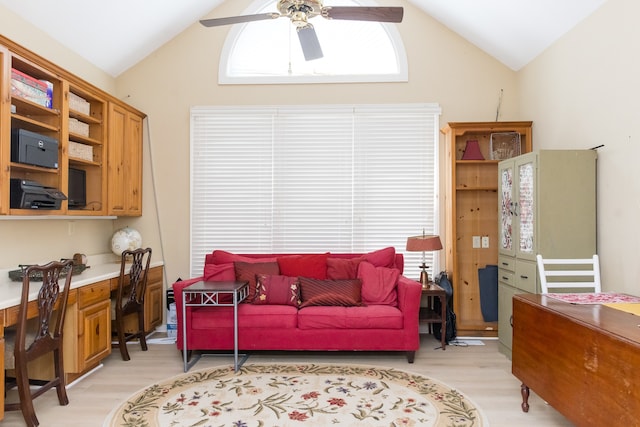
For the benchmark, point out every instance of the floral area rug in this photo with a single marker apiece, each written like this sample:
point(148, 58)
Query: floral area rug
point(273, 395)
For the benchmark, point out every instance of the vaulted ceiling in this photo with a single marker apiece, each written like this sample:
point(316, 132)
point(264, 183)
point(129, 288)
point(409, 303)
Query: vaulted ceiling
point(115, 34)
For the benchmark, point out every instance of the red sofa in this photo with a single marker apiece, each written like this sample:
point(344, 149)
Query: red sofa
point(386, 318)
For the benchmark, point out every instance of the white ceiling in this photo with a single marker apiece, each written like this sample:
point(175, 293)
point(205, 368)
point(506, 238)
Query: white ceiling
point(116, 34)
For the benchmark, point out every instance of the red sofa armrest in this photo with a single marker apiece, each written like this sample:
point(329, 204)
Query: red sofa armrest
point(177, 296)
point(409, 295)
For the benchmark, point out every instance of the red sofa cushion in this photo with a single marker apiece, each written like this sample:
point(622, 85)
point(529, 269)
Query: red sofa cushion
point(330, 292)
point(369, 317)
point(224, 257)
point(219, 272)
point(312, 265)
point(378, 284)
point(249, 316)
point(382, 258)
point(342, 268)
point(277, 289)
point(246, 271)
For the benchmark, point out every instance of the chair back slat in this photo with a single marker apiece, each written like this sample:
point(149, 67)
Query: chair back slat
point(555, 277)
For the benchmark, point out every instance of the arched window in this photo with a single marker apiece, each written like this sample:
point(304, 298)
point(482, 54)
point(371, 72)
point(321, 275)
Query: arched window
point(269, 51)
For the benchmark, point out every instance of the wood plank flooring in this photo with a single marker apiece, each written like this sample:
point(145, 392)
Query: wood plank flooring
point(480, 372)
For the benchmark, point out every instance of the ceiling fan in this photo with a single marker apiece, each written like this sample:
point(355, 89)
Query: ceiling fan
point(300, 11)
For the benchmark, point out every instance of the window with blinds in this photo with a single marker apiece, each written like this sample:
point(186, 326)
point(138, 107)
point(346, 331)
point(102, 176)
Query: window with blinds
point(311, 179)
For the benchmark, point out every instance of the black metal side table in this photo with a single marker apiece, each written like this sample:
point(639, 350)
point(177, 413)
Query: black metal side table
point(201, 294)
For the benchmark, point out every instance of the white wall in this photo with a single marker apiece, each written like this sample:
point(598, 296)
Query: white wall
point(443, 68)
point(583, 92)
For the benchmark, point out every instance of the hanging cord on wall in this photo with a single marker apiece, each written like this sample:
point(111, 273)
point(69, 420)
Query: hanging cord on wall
point(155, 201)
point(499, 104)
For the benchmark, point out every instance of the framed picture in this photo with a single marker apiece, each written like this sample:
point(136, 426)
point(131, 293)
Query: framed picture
point(504, 145)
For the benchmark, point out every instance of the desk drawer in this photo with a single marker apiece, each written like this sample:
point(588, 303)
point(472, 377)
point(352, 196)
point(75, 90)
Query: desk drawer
point(11, 313)
point(91, 294)
point(154, 275)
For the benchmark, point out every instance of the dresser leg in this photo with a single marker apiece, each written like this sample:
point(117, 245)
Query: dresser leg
point(524, 390)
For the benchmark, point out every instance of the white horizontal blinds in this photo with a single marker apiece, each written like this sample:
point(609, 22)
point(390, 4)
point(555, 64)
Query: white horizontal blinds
point(231, 189)
point(312, 179)
point(395, 178)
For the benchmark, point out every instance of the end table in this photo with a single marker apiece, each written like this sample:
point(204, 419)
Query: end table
point(428, 314)
point(201, 294)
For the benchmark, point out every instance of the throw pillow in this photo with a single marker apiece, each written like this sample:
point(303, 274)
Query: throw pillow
point(379, 284)
point(224, 257)
point(342, 268)
point(312, 265)
point(345, 293)
point(246, 271)
point(219, 272)
point(277, 289)
point(382, 258)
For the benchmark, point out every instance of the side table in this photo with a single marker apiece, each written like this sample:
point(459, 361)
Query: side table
point(202, 294)
point(429, 315)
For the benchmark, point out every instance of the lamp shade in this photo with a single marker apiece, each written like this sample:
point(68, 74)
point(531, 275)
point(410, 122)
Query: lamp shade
point(423, 243)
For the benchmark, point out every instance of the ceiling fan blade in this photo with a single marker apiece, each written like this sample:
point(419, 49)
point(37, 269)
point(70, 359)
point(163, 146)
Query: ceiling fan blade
point(363, 13)
point(309, 42)
point(216, 22)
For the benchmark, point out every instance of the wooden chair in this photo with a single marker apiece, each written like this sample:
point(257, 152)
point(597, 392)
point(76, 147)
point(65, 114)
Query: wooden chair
point(24, 344)
point(563, 274)
point(129, 298)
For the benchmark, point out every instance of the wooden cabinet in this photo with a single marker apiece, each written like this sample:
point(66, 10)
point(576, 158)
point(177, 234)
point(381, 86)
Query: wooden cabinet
point(125, 162)
point(106, 164)
point(154, 307)
point(94, 324)
point(44, 127)
point(153, 299)
point(87, 166)
point(547, 206)
point(471, 200)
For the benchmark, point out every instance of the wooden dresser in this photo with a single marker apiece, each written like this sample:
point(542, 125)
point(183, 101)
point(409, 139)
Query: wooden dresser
point(584, 360)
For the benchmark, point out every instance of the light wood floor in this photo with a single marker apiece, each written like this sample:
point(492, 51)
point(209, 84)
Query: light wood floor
point(480, 372)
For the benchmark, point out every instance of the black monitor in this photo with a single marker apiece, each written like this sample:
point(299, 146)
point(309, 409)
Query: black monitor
point(77, 188)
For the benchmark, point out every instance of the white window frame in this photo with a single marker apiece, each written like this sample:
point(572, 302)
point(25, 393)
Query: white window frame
point(225, 78)
point(380, 143)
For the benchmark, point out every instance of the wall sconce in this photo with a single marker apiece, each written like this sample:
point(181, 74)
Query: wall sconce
point(423, 244)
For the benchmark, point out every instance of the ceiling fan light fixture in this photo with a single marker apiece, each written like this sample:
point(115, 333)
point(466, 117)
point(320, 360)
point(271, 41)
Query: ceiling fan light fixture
point(299, 19)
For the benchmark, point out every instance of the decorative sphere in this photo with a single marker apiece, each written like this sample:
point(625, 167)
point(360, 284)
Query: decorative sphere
point(125, 239)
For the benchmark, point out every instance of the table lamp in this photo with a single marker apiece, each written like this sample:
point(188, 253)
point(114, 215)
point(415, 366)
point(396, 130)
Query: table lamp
point(423, 244)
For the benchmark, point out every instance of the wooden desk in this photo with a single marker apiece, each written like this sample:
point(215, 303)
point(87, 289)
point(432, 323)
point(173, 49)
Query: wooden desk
point(87, 331)
point(584, 360)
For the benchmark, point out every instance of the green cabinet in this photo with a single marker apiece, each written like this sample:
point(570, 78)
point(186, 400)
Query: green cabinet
point(547, 206)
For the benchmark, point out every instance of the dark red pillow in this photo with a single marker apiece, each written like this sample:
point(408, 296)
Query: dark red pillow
point(345, 293)
point(342, 268)
point(313, 265)
point(277, 289)
point(246, 271)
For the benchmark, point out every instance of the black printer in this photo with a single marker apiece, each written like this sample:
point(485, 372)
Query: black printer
point(34, 149)
point(27, 194)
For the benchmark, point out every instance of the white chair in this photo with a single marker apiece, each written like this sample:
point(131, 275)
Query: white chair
point(569, 274)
